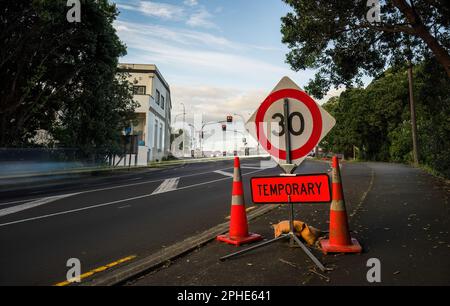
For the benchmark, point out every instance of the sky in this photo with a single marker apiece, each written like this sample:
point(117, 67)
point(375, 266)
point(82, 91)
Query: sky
point(219, 57)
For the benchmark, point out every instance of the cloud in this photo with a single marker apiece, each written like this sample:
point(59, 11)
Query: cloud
point(333, 92)
point(177, 36)
point(190, 2)
point(155, 9)
point(216, 102)
point(184, 48)
point(194, 17)
point(201, 18)
point(212, 104)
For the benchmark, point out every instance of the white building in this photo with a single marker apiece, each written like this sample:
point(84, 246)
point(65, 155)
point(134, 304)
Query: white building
point(152, 126)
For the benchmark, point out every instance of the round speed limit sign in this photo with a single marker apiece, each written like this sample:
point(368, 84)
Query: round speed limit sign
point(307, 122)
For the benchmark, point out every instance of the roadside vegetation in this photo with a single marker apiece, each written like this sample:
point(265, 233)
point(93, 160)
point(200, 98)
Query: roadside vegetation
point(345, 41)
point(61, 77)
point(375, 121)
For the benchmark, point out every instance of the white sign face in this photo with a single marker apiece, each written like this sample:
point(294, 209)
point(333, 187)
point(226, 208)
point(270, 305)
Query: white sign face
point(308, 123)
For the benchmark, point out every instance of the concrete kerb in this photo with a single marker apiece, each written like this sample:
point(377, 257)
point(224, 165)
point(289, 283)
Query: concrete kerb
point(147, 264)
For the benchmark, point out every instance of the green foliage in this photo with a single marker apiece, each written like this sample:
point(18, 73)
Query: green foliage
point(377, 119)
point(61, 76)
point(334, 37)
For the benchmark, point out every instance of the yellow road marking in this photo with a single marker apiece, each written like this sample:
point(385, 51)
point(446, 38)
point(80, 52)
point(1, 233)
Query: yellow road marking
point(247, 210)
point(96, 270)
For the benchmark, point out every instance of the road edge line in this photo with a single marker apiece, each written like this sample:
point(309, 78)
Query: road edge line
point(147, 264)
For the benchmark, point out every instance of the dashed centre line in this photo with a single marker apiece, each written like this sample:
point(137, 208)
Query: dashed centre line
point(224, 173)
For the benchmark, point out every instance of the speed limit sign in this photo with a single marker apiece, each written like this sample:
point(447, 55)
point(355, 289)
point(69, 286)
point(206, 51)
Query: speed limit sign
point(289, 110)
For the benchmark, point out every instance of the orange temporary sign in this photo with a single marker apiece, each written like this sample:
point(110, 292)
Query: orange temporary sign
point(301, 188)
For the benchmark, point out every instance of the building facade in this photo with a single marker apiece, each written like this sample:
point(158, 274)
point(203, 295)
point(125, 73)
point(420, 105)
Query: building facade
point(152, 124)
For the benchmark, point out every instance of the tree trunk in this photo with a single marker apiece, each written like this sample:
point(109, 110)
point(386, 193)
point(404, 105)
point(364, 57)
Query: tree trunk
point(421, 31)
point(413, 115)
point(441, 54)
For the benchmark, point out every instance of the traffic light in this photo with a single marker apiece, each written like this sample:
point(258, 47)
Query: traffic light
point(224, 127)
point(229, 119)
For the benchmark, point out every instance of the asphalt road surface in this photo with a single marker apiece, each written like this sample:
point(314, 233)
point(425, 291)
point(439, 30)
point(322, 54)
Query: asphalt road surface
point(100, 221)
point(399, 214)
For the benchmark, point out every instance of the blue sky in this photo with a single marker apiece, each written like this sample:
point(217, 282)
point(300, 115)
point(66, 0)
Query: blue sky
point(219, 56)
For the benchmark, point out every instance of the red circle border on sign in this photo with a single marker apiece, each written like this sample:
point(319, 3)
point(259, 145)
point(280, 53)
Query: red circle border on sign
point(316, 116)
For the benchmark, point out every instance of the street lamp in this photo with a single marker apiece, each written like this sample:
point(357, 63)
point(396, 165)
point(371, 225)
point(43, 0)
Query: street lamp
point(175, 118)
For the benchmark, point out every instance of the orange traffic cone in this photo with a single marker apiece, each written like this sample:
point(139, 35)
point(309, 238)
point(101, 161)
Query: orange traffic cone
point(339, 240)
point(238, 233)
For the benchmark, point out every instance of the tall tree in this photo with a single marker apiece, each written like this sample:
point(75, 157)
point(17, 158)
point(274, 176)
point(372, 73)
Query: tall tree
point(335, 37)
point(376, 119)
point(61, 76)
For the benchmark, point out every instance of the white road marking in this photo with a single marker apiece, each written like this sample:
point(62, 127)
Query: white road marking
point(113, 187)
point(115, 202)
point(167, 185)
point(224, 173)
point(17, 208)
point(250, 167)
point(134, 179)
point(125, 206)
point(363, 197)
point(18, 201)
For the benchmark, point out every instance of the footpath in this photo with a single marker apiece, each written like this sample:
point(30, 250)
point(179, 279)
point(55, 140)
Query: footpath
point(399, 214)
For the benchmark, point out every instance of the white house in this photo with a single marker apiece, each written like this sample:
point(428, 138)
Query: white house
point(152, 93)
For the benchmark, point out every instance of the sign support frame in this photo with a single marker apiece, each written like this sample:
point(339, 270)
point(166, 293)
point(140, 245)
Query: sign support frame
point(288, 168)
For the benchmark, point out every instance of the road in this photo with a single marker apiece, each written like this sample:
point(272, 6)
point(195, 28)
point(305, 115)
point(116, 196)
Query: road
point(399, 214)
point(101, 221)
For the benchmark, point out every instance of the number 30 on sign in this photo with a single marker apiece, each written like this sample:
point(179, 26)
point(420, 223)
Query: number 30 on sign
point(307, 122)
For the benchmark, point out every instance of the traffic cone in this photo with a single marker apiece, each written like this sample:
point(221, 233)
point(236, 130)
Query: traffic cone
point(238, 233)
point(339, 238)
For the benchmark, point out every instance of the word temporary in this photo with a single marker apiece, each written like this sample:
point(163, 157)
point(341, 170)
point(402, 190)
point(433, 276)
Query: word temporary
point(313, 188)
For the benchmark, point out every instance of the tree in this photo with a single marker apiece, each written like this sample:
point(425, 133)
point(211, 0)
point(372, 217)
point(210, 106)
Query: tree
point(335, 37)
point(376, 119)
point(61, 76)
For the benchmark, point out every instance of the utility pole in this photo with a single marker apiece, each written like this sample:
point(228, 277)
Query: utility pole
point(413, 114)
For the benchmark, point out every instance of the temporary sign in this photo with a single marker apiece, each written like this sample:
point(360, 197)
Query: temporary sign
point(307, 123)
point(307, 188)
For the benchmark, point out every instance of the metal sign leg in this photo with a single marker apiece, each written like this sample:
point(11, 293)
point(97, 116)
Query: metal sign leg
point(291, 223)
point(284, 236)
point(310, 255)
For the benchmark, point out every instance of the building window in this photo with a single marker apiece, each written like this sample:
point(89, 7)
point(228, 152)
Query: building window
point(160, 137)
point(158, 96)
point(155, 139)
point(162, 102)
point(139, 90)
